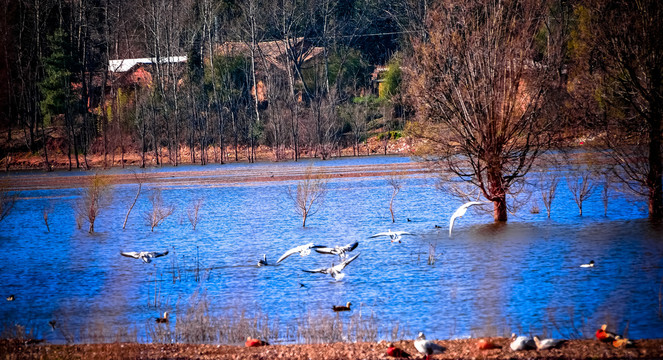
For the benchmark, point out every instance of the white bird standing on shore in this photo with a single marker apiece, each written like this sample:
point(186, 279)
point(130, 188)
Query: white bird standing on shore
point(393, 235)
point(341, 251)
point(303, 250)
point(146, 256)
point(334, 271)
point(427, 347)
point(461, 211)
point(522, 343)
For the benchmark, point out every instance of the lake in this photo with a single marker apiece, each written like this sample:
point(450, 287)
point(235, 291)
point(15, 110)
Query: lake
point(486, 279)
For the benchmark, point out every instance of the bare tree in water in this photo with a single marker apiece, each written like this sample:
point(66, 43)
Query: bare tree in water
point(396, 186)
point(95, 196)
point(158, 211)
point(309, 195)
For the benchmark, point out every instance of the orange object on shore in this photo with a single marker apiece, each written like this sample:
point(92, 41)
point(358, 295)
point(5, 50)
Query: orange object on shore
point(484, 344)
point(393, 351)
point(250, 342)
point(603, 335)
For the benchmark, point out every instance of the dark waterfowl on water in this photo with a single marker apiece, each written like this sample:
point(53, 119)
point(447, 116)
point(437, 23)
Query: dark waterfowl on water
point(263, 261)
point(146, 256)
point(338, 308)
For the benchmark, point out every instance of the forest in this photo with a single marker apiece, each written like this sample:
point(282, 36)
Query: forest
point(486, 86)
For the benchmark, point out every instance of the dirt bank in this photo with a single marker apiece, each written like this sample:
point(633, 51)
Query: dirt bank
point(455, 349)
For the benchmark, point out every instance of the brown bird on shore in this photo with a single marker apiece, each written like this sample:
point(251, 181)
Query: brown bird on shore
point(393, 351)
point(251, 342)
point(162, 320)
point(338, 308)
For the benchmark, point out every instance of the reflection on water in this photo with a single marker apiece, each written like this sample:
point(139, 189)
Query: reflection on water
point(489, 279)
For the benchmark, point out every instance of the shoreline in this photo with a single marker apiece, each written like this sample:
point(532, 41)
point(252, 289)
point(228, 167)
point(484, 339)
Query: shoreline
point(454, 349)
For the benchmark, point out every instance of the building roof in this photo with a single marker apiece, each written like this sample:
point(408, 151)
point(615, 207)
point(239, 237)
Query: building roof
point(274, 52)
point(124, 65)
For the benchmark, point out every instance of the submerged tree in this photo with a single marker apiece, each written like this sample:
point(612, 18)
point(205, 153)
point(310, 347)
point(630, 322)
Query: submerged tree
point(7, 201)
point(309, 195)
point(95, 196)
point(159, 211)
point(396, 186)
point(479, 89)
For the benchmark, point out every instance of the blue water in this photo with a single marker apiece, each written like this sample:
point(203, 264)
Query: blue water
point(488, 279)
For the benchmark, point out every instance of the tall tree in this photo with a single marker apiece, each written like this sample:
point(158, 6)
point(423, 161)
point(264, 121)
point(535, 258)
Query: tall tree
point(623, 64)
point(479, 83)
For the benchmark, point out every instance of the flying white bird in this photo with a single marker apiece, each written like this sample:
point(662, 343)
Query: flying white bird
point(146, 256)
point(303, 250)
point(334, 271)
point(393, 235)
point(427, 347)
point(461, 211)
point(341, 251)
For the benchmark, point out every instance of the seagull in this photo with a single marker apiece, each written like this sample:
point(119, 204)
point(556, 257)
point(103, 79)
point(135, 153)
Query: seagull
point(341, 251)
point(394, 235)
point(591, 264)
point(461, 211)
point(393, 351)
point(146, 256)
point(303, 250)
point(11, 298)
point(334, 271)
point(522, 343)
point(263, 261)
point(164, 319)
point(544, 344)
point(338, 308)
point(427, 347)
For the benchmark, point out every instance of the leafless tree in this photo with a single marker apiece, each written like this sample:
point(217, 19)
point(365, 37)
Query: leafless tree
point(7, 201)
point(310, 194)
point(548, 186)
point(479, 84)
point(158, 211)
point(193, 212)
point(620, 83)
point(47, 210)
point(580, 186)
point(396, 185)
point(95, 196)
point(139, 179)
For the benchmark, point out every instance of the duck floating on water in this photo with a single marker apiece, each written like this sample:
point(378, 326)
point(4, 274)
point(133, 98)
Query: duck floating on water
point(341, 251)
point(162, 320)
point(303, 250)
point(590, 264)
point(393, 235)
point(263, 261)
point(461, 211)
point(393, 351)
point(146, 256)
point(427, 347)
point(251, 342)
point(338, 308)
point(334, 271)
